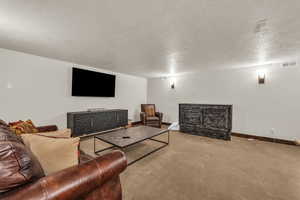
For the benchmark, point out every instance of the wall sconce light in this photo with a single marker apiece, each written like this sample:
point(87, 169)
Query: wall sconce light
point(261, 77)
point(172, 83)
point(9, 85)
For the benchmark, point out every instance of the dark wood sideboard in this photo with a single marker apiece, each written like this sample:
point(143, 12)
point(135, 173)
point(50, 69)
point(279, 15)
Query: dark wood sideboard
point(213, 121)
point(88, 122)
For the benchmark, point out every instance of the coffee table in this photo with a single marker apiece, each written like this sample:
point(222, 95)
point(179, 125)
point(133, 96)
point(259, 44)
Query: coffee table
point(126, 137)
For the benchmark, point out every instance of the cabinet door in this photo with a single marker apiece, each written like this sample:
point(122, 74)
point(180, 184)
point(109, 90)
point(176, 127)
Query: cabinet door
point(216, 118)
point(82, 125)
point(122, 118)
point(104, 121)
point(192, 116)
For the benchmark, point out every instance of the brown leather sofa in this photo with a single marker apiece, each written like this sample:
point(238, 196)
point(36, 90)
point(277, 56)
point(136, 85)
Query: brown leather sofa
point(150, 117)
point(22, 178)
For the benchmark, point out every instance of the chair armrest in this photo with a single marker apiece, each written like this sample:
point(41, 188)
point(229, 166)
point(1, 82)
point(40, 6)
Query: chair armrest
point(97, 177)
point(143, 117)
point(159, 115)
point(47, 128)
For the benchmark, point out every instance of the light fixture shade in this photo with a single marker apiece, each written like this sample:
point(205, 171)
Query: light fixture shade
point(261, 77)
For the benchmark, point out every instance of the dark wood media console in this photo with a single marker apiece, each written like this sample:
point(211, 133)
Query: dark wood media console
point(88, 122)
point(213, 121)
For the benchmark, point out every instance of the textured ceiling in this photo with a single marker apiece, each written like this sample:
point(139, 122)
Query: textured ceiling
point(154, 37)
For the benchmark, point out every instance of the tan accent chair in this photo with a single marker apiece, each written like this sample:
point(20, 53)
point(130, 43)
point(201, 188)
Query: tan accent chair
point(150, 117)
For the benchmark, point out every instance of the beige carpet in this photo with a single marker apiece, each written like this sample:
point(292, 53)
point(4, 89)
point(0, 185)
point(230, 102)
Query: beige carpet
point(194, 167)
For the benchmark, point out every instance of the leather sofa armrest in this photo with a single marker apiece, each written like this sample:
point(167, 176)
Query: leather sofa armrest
point(47, 128)
point(98, 177)
point(143, 117)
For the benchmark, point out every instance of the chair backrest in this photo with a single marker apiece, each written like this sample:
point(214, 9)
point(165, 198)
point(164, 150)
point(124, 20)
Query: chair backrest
point(149, 109)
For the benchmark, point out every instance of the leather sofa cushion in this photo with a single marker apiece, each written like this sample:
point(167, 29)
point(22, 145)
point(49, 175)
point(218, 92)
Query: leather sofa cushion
point(21, 127)
point(18, 165)
point(152, 118)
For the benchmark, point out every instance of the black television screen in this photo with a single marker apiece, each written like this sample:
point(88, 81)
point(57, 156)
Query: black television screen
point(92, 84)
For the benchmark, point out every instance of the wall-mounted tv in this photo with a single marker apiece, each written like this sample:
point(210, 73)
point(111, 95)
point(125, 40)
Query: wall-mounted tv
point(92, 84)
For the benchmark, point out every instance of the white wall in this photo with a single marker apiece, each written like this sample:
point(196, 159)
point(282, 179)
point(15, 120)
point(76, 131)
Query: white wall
point(256, 108)
point(38, 88)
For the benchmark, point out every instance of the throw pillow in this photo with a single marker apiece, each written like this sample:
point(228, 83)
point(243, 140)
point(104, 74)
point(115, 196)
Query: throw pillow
point(21, 127)
point(54, 154)
point(3, 123)
point(64, 133)
point(17, 163)
point(15, 123)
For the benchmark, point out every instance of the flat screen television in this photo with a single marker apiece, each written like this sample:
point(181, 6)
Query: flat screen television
point(92, 84)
